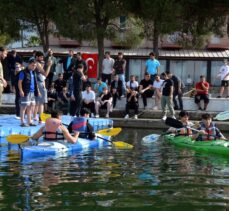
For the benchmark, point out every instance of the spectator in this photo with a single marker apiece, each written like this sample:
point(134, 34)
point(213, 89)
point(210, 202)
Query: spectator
point(132, 103)
point(52, 97)
point(178, 90)
point(202, 88)
point(224, 76)
point(132, 84)
point(88, 97)
point(107, 68)
point(104, 101)
point(99, 86)
point(3, 83)
point(52, 71)
point(116, 89)
point(119, 69)
point(152, 66)
point(167, 96)
point(63, 102)
point(157, 86)
point(18, 69)
point(86, 83)
point(41, 75)
point(28, 88)
point(68, 65)
point(79, 61)
point(189, 82)
point(60, 83)
point(76, 94)
point(12, 60)
point(145, 88)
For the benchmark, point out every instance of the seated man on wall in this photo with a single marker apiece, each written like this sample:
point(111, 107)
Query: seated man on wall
point(104, 101)
point(99, 87)
point(116, 89)
point(202, 88)
point(145, 88)
point(157, 86)
point(63, 102)
point(88, 97)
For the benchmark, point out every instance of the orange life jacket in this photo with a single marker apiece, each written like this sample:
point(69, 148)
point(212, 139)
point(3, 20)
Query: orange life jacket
point(52, 130)
point(185, 131)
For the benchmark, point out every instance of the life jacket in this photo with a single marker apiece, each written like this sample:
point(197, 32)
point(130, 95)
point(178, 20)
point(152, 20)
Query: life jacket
point(211, 132)
point(52, 130)
point(185, 131)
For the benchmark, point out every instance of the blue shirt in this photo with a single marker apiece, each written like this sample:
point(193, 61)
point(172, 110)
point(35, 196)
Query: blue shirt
point(69, 59)
point(32, 84)
point(100, 87)
point(152, 66)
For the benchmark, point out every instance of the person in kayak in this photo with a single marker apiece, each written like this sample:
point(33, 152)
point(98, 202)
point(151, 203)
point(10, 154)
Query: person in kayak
point(53, 130)
point(207, 130)
point(184, 119)
point(82, 125)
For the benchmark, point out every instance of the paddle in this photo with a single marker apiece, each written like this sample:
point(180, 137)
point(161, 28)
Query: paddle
point(222, 116)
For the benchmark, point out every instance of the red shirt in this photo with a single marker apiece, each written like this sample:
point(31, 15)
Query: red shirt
point(199, 86)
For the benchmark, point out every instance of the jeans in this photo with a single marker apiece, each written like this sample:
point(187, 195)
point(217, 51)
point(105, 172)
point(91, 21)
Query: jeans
point(176, 93)
point(167, 101)
point(122, 78)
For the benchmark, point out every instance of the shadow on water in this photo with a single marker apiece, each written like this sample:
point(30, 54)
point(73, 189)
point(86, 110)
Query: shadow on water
point(158, 176)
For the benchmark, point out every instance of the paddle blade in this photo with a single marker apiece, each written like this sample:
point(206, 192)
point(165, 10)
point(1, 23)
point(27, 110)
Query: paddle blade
point(110, 131)
point(44, 116)
point(173, 122)
point(17, 138)
point(122, 145)
point(222, 116)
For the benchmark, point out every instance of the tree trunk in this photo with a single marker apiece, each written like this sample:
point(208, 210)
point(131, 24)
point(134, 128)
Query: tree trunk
point(155, 40)
point(46, 36)
point(100, 42)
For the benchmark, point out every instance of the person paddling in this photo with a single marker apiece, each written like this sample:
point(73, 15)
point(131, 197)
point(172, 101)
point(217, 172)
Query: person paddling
point(184, 119)
point(82, 125)
point(53, 130)
point(207, 130)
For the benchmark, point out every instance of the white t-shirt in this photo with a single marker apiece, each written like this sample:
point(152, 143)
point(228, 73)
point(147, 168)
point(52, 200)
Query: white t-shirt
point(158, 84)
point(224, 70)
point(88, 96)
point(134, 85)
point(108, 65)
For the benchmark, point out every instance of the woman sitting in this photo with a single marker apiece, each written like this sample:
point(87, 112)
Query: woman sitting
point(53, 130)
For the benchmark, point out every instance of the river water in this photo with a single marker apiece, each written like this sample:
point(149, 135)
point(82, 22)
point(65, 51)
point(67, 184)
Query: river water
point(158, 176)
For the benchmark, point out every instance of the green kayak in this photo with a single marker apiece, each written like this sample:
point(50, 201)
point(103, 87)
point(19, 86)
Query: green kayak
point(216, 146)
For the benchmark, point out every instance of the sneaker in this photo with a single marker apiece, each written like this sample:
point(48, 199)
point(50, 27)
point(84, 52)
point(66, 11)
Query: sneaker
point(24, 125)
point(127, 116)
point(96, 116)
point(155, 108)
point(17, 117)
point(135, 116)
point(164, 117)
point(32, 124)
point(107, 115)
point(173, 117)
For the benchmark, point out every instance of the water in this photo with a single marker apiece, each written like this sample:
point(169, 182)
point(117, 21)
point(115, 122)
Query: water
point(154, 177)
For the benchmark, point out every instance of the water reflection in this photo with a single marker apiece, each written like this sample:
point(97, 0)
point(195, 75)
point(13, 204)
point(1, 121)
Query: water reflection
point(160, 175)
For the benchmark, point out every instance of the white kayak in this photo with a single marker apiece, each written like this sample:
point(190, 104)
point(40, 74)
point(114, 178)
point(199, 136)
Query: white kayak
point(150, 138)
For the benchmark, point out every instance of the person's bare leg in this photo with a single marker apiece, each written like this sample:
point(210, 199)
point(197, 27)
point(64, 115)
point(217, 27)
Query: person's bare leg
point(22, 113)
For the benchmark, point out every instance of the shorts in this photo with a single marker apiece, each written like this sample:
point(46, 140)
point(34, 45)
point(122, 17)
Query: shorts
point(224, 83)
point(28, 100)
point(200, 97)
point(43, 97)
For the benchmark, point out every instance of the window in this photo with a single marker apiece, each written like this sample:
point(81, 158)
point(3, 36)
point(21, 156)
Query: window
point(215, 69)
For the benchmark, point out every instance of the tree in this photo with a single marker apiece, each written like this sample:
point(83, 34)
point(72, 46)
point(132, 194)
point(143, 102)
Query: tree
point(90, 19)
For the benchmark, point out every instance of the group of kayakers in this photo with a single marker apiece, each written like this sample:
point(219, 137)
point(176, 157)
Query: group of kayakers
point(205, 130)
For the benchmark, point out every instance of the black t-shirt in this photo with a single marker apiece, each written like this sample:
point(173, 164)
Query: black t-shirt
point(119, 66)
point(59, 84)
point(145, 83)
point(77, 62)
point(105, 97)
point(176, 81)
point(77, 81)
point(166, 87)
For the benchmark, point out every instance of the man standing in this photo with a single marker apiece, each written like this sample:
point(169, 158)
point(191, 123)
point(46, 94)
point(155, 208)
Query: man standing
point(202, 88)
point(167, 96)
point(152, 66)
point(79, 61)
point(27, 85)
point(120, 68)
point(224, 76)
point(177, 90)
point(68, 64)
point(107, 68)
point(52, 71)
point(76, 95)
point(3, 83)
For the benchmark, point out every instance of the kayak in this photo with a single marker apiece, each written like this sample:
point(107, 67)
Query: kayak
point(61, 148)
point(216, 146)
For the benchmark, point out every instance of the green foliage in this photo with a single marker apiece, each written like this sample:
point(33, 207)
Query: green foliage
point(33, 41)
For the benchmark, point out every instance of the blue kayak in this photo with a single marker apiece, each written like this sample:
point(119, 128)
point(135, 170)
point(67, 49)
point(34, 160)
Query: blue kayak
point(61, 148)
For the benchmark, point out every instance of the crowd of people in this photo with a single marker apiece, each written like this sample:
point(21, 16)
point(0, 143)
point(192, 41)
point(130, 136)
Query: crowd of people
point(37, 90)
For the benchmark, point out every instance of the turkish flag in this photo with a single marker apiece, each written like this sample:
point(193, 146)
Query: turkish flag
point(92, 64)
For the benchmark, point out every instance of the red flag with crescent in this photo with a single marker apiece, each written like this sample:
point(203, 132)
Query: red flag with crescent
point(92, 64)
